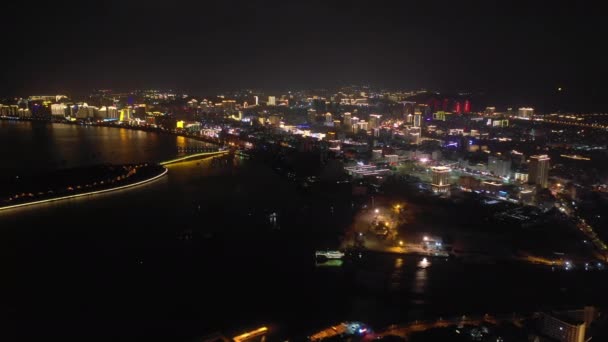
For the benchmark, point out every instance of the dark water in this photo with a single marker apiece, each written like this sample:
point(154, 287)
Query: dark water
point(195, 252)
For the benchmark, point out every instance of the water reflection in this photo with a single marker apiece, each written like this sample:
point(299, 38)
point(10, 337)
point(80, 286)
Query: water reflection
point(396, 276)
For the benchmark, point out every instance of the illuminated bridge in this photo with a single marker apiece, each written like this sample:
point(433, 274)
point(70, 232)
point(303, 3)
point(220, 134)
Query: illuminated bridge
point(194, 156)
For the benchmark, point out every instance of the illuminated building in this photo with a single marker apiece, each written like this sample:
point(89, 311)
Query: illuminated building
point(179, 124)
point(392, 159)
point(417, 119)
point(103, 112)
point(274, 120)
point(9, 110)
point(312, 115)
point(347, 119)
point(113, 112)
point(457, 108)
point(52, 98)
point(193, 103)
point(354, 121)
point(58, 110)
point(467, 106)
point(126, 114)
point(521, 176)
point(272, 101)
point(498, 123)
point(24, 113)
point(257, 100)
point(562, 328)
point(362, 126)
point(374, 121)
point(84, 111)
point(489, 110)
point(328, 117)
point(499, 166)
point(525, 112)
point(539, 170)
point(229, 106)
point(441, 115)
point(441, 179)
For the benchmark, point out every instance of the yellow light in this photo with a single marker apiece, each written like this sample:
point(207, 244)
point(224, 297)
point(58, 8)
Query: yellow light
point(191, 156)
point(84, 194)
point(254, 333)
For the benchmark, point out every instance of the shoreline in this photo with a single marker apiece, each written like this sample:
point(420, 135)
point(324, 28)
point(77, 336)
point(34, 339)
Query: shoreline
point(134, 128)
point(89, 193)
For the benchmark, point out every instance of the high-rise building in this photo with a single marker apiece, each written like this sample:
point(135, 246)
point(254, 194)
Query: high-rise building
point(374, 121)
point(272, 101)
point(489, 110)
point(347, 119)
point(539, 170)
point(229, 106)
point(467, 106)
point(312, 115)
point(257, 100)
point(525, 112)
point(499, 166)
point(562, 328)
point(418, 119)
point(328, 118)
point(441, 178)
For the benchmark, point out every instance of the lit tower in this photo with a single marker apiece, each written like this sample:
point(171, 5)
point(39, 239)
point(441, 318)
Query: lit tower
point(441, 178)
point(374, 121)
point(417, 119)
point(539, 170)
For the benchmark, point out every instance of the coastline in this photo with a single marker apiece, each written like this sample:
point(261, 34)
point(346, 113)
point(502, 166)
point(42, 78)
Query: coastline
point(89, 193)
point(134, 128)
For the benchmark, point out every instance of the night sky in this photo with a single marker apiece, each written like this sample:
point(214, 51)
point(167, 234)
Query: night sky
point(511, 48)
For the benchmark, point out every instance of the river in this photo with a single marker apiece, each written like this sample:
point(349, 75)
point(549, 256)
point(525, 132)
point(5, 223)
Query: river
point(195, 252)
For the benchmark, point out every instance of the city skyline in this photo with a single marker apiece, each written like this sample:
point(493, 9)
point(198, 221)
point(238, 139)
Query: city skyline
point(524, 53)
point(316, 171)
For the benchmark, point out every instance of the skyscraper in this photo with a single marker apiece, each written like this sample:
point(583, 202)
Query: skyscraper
point(441, 178)
point(272, 101)
point(539, 170)
point(499, 166)
point(347, 119)
point(417, 119)
point(467, 106)
point(374, 121)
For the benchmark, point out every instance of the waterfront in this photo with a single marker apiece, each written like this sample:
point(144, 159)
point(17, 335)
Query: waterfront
point(195, 252)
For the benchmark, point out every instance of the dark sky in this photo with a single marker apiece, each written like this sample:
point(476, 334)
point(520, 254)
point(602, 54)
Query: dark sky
point(516, 47)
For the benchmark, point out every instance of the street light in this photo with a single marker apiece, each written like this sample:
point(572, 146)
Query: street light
point(377, 211)
point(400, 243)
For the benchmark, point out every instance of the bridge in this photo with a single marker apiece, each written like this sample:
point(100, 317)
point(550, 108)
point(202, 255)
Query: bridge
point(194, 156)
